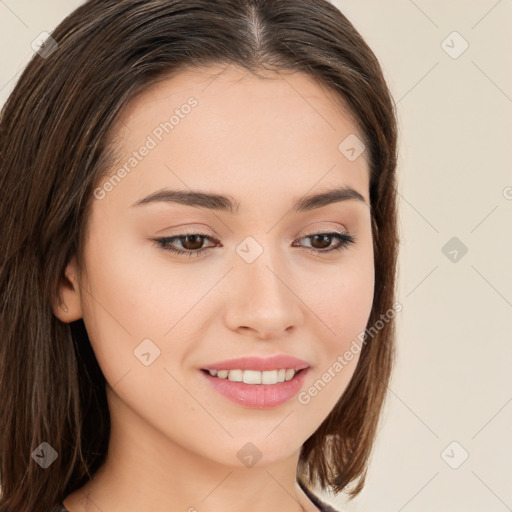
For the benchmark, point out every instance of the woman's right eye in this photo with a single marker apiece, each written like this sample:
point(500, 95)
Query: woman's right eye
point(193, 239)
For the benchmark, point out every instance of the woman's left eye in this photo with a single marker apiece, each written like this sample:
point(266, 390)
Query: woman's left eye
point(344, 240)
point(194, 241)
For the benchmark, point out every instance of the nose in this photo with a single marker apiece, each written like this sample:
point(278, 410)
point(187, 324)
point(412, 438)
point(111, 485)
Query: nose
point(262, 301)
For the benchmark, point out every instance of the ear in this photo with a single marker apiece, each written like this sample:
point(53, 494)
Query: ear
point(67, 306)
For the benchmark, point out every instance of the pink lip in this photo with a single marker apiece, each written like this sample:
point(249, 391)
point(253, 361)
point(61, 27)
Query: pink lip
point(257, 396)
point(259, 363)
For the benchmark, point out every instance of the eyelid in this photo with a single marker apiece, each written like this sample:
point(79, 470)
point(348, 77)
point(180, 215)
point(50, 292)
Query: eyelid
point(185, 229)
point(345, 239)
point(341, 231)
point(325, 226)
point(188, 229)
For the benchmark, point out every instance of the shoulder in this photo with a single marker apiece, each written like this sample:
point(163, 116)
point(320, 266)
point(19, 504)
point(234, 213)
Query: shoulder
point(59, 507)
point(319, 504)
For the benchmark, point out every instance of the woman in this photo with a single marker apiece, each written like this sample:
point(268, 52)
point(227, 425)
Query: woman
point(198, 218)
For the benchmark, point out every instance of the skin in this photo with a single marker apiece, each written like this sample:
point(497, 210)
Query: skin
point(264, 142)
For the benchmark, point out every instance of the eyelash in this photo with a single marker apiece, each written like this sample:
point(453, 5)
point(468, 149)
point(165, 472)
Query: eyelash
point(345, 239)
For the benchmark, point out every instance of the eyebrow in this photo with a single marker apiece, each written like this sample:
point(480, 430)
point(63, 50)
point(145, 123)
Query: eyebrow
point(228, 204)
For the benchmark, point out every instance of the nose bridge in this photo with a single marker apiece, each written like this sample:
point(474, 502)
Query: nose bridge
point(264, 266)
point(263, 300)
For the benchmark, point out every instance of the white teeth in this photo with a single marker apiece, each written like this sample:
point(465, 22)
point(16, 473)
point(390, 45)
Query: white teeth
point(255, 377)
point(236, 375)
point(289, 374)
point(269, 377)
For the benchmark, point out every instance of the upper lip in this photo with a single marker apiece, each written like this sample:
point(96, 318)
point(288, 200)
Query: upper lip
point(259, 363)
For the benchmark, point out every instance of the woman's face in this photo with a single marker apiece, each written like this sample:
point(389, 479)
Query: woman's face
point(263, 286)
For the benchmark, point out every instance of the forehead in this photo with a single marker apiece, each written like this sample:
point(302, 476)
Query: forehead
point(233, 84)
point(277, 129)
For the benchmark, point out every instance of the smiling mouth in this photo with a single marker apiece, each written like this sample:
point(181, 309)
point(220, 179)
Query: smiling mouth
point(271, 377)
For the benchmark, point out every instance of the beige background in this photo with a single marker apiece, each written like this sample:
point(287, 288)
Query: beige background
point(452, 380)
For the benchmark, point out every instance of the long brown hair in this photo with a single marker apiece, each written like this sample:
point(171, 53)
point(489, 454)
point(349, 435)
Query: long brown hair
point(54, 146)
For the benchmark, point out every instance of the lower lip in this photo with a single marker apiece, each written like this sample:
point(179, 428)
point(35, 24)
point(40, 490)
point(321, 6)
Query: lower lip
point(258, 396)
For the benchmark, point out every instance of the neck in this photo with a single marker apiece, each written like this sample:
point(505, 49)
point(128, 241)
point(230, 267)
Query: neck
point(145, 470)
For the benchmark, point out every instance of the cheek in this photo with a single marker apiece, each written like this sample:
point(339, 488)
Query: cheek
point(133, 296)
point(118, 303)
point(342, 316)
point(342, 297)
point(128, 292)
